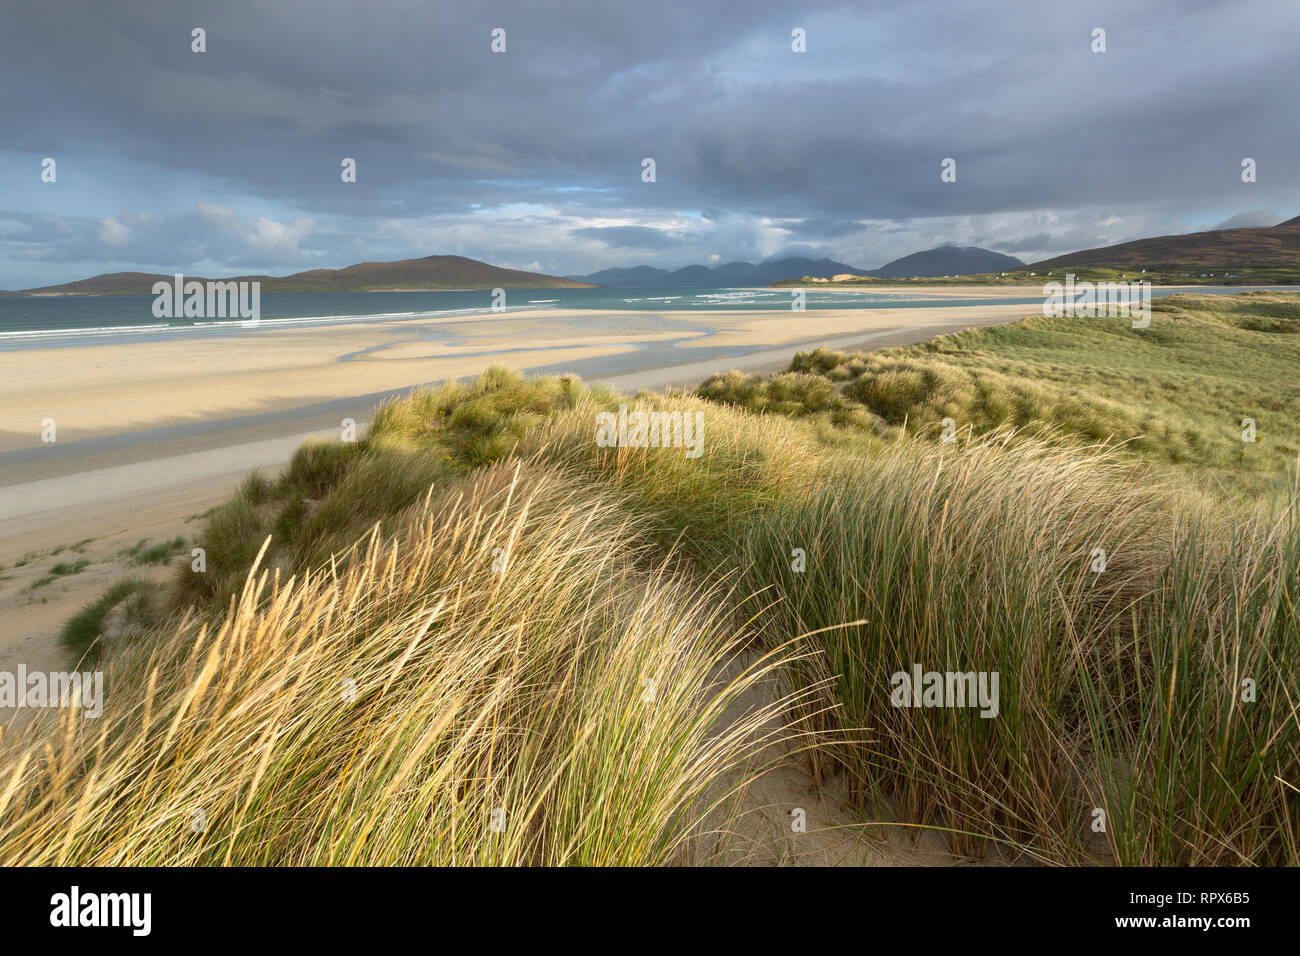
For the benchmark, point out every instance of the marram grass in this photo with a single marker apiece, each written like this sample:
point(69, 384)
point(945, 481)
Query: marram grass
point(412, 706)
point(1157, 696)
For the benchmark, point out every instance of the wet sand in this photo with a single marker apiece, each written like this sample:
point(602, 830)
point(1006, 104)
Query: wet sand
point(151, 434)
point(115, 404)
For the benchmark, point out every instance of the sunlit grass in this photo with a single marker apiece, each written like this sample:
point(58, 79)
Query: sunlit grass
point(500, 629)
point(1175, 393)
point(410, 705)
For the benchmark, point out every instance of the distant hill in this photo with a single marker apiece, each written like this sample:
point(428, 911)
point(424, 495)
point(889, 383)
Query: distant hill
point(429, 272)
point(942, 261)
point(1261, 247)
point(947, 261)
point(730, 274)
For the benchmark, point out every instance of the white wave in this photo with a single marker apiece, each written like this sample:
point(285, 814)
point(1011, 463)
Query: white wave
point(210, 325)
point(91, 330)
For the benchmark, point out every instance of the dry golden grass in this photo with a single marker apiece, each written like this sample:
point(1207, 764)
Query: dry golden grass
point(381, 711)
point(1122, 689)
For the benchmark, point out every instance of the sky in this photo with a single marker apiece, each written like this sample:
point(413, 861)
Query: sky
point(229, 161)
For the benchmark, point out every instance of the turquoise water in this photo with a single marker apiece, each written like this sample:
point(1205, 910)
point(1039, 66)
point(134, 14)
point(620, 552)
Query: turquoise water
point(79, 320)
point(32, 322)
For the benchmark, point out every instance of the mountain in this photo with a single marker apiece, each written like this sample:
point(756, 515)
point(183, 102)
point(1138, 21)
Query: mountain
point(430, 272)
point(1260, 247)
point(947, 261)
point(943, 261)
point(633, 278)
point(729, 274)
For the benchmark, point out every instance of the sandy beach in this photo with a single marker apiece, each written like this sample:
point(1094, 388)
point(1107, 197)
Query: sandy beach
point(150, 434)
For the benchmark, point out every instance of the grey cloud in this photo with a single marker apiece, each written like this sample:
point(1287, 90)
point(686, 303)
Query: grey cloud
point(839, 146)
point(632, 237)
point(823, 228)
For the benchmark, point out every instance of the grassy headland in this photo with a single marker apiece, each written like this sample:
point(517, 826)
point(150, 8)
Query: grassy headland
point(1175, 393)
point(1260, 255)
point(1037, 276)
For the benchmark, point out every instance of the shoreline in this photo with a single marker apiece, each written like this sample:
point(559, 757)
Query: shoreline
point(958, 292)
point(162, 396)
point(118, 485)
point(886, 297)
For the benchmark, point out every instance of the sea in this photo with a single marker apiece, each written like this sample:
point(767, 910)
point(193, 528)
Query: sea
point(78, 320)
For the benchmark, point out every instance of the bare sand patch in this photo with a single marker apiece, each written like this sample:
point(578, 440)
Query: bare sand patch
point(30, 546)
point(94, 391)
point(753, 330)
point(953, 291)
point(107, 389)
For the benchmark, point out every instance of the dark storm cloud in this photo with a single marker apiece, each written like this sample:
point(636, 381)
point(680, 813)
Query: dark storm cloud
point(841, 144)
